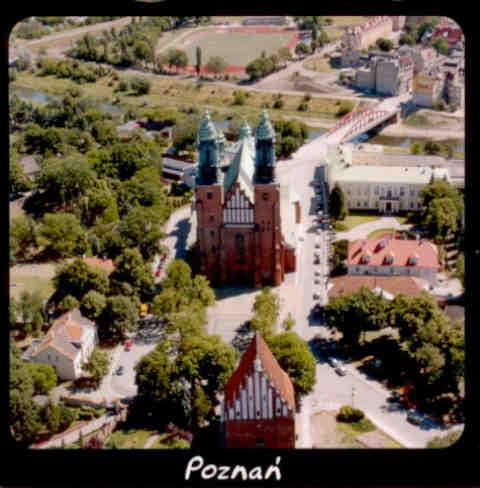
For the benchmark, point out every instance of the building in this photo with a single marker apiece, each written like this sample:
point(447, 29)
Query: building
point(30, 166)
point(386, 75)
point(179, 169)
point(387, 256)
point(451, 33)
point(427, 89)
point(386, 286)
point(258, 408)
point(67, 346)
point(376, 187)
point(363, 36)
point(424, 58)
point(246, 221)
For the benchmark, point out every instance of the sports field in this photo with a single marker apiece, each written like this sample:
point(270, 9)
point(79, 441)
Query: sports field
point(236, 47)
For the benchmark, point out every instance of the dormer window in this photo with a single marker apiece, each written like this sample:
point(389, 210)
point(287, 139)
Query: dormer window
point(381, 245)
point(412, 260)
point(388, 260)
point(365, 259)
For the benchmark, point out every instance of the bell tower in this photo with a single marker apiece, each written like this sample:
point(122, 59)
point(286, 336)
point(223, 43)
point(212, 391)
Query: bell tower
point(264, 151)
point(210, 147)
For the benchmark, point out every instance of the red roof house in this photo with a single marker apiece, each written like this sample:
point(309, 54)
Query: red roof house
point(259, 403)
point(388, 256)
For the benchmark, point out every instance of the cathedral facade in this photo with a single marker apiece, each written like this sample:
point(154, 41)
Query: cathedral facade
point(244, 216)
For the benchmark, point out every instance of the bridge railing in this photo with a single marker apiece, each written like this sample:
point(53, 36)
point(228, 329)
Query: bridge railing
point(367, 120)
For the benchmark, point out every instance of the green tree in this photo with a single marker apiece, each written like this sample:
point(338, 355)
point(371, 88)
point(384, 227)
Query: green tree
point(216, 65)
point(185, 135)
point(22, 236)
point(302, 49)
point(18, 180)
point(132, 269)
point(177, 58)
point(296, 360)
point(44, 377)
point(337, 203)
point(415, 148)
point(432, 148)
point(67, 303)
point(92, 304)
point(265, 312)
point(98, 365)
point(198, 60)
point(285, 54)
point(77, 279)
point(31, 311)
point(440, 45)
point(117, 319)
point(441, 218)
point(383, 44)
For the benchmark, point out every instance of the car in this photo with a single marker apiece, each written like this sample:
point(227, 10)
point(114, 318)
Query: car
point(334, 363)
point(318, 245)
point(119, 371)
point(394, 397)
point(341, 371)
point(128, 345)
point(319, 231)
point(316, 296)
point(414, 417)
point(318, 273)
point(316, 281)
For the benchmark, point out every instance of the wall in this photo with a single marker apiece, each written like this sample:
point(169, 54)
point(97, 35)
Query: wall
point(428, 274)
point(64, 366)
point(275, 433)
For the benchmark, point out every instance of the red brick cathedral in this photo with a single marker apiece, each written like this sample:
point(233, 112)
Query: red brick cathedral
point(245, 219)
point(259, 404)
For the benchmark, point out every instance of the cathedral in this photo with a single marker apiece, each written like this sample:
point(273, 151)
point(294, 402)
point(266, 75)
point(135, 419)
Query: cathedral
point(246, 220)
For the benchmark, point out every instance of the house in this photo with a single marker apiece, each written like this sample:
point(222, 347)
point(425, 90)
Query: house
point(126, 130)
point(179, 169)
point(258, 408)
point(389, 256)
point(67, 346)
point(30, 166)
point(386, 286)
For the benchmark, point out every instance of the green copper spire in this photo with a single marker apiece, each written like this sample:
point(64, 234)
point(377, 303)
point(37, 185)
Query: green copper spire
point(265, 129)
point(245, 130)
point(207, 130)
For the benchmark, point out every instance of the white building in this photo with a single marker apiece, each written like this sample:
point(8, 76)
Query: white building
point(67, 346)
point(387, 189)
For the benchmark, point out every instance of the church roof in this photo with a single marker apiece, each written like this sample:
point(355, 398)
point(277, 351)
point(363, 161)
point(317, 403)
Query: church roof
point(207, 130)
point(265, 129)
point(242, 168)
point(258, 350)
point(245, 130)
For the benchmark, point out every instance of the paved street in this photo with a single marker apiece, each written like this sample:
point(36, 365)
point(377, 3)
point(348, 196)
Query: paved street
point(361, 231)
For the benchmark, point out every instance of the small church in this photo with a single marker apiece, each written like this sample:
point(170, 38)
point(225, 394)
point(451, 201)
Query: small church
point(246, 221)
point(258, 408)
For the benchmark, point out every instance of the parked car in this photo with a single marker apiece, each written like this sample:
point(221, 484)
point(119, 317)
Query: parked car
point(316, 296)
point(119, 371)
point(318, 245)
point(334, 363)
point(128, 345)
point(394, 397)
point(316, 281)
point(414, 418)
point(318, 273)
point(340, 370)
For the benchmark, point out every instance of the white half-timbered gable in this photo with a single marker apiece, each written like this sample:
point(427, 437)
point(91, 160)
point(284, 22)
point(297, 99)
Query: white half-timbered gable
point(238, 209)
point(259, 389)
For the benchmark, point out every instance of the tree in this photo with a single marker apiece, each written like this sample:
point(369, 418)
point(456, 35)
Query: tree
point(177, 58)
point(140, 85)
point(447, 440)
point(296, 360)
point(67, 303)
point(415, 148)
point(441, 218)
point(302, 49)
point(216, 65)
point(92, 304)
point(198, 58)
point(44, 377)
point(143, 51)
point(285, 54)
point(118, 317)
point(432, 148)
point(18, 180)
point(42, 141)
point(408, 38)
point(460, 268)
point(383, 44)
point(30, 310)
point(58, 417)
point(132, 269)
point(185, 135)
point(98, 365)
point(339, 255)
point(337, 204)
point(22, 236)
point(77, 279)
point(266, 311)
point(440, 45)
point(183, 381)
point(23, 413)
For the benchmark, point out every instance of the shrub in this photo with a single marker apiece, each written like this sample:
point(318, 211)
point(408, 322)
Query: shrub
point(239, 98)
point(349, 414)
point(344, 108)
point(278, 103)
point(303, 107)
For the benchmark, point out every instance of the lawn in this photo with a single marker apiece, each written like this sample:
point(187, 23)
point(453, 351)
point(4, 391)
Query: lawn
point(353, 220)
point(32, 277)
point(379, 232)
point(129, 439)
point(318, 63)
point(237, 48)
point(167, 91)
point(345, 20)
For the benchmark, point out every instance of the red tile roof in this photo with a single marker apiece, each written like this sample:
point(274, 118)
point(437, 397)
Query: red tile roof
point(402, 251)
point(348, 284)
point(258, 349)
point(106, 264)
point(451, 34)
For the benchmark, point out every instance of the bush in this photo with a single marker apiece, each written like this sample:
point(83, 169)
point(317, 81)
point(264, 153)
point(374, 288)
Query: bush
point(278, 103)
point(344, 108)
point(303, 107)
point(349, 414)
point(239, 98)
point(339, 226)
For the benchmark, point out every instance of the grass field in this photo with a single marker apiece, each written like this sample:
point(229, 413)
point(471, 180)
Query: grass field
point(175, 93)
point(344, 20)
point(353, 220)
point(32, 277)
point(129, 439)
point(237, 48)
point(318, 63)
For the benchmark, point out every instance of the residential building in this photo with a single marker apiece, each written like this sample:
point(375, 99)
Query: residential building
point(67, 346)
point(246, 221)
point(258, 408)
point(179, 169)
point(363, 36)
point(386, 75)
point(427, 89)
point(374, 187)
point(386, 286)
point(389, 256)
